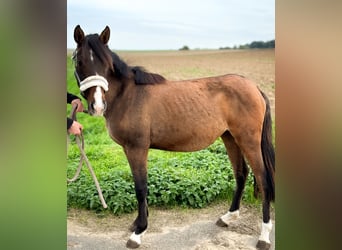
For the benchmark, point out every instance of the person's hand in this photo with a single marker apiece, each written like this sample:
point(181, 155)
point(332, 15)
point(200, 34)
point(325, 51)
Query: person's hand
point(76, 128)
point(79, 105)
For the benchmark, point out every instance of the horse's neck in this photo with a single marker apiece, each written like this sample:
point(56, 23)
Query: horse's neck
point(119, 91)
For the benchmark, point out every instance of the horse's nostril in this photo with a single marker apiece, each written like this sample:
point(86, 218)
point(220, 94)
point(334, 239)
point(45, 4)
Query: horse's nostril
point(92, 105)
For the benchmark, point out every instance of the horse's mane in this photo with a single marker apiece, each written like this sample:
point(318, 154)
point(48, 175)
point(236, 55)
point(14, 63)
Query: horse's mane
point(121, 69)
point(142, 77)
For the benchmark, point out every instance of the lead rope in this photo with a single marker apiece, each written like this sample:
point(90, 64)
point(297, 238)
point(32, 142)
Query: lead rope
point(80, 143)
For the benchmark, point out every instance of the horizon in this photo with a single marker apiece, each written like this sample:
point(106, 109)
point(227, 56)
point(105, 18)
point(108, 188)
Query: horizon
point(191, 49)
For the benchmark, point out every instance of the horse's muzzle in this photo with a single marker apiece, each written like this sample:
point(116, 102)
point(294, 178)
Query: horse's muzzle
point(96, 109)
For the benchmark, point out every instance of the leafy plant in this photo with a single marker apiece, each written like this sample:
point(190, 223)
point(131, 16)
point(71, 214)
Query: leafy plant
point(174, 179)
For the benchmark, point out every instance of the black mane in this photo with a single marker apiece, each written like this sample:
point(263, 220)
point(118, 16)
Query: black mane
point(142, 77)
point(121, 69)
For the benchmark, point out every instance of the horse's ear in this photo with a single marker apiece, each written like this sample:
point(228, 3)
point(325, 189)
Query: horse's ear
point(78, 34)
point(104, 37)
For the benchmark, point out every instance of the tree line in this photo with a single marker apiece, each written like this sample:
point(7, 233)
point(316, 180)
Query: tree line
point(254, 45)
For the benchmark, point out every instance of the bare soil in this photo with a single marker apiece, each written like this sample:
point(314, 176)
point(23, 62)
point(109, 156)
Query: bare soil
point(168, 229)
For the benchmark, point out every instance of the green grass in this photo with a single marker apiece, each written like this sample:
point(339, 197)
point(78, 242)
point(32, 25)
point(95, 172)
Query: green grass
point(175, 179)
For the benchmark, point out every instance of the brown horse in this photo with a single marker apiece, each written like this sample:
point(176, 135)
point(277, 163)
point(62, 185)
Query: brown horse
point(144, 110)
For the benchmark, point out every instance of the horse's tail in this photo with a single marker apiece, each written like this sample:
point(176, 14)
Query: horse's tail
point(267, 150)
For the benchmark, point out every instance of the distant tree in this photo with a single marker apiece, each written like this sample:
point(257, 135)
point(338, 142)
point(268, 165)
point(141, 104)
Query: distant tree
point(246, 46)
point(185, 47)
point(257, 44)
point(254, 45)
point(262, 45)
point(271, 44)
point(222, 48)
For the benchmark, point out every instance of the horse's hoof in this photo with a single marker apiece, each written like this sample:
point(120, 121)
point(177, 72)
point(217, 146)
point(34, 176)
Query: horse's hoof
point(263, 245)
point(132, 244)
point(220, 223)
point(135, 240)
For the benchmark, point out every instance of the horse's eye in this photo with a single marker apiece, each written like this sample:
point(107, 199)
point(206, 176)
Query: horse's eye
point(79, 63)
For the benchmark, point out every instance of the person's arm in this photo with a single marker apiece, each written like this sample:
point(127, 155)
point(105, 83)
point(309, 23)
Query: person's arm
point(74, 127)
point(71, 97)
point(75, 100)
point(69, 122)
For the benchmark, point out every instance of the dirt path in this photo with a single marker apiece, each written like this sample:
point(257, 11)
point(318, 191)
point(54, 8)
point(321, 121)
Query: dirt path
point(168, 229)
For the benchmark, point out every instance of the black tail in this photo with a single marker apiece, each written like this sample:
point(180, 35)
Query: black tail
point(267, 150)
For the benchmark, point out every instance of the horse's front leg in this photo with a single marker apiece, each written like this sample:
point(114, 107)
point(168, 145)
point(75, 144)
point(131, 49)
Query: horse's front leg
point(137, 158)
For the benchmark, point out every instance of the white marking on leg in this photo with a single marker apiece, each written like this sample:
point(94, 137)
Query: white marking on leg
point(230, 216)
point(98, 105)
point(266, 229)
point(137, 237)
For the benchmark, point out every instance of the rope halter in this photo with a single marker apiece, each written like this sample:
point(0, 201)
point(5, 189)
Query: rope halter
point(92, 81)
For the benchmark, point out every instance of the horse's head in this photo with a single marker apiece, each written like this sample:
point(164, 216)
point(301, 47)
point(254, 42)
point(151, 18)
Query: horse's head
point(93, 65)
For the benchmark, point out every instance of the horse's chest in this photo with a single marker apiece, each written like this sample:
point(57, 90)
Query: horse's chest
point(116, 133)
point(123, 131)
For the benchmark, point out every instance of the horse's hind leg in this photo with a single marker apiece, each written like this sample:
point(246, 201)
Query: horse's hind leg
point(240, 173)
point(137, 159)
point(252, 151)
point(266, 226)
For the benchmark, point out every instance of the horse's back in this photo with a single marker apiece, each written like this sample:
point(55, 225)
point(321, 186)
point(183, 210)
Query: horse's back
point(190, 115)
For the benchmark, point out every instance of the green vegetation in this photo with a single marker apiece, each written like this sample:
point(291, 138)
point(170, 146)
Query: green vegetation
point(185, 47)
point(185, 179)
point(254, 45)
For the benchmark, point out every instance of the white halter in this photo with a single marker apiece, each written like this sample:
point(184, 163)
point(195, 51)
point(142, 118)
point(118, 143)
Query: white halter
point(92, 81)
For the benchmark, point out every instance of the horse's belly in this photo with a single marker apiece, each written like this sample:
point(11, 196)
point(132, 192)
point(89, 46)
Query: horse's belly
point(187, 138)
point(185, 144)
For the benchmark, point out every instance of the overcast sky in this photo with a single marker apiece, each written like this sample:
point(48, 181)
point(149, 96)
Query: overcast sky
point(161, 24)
